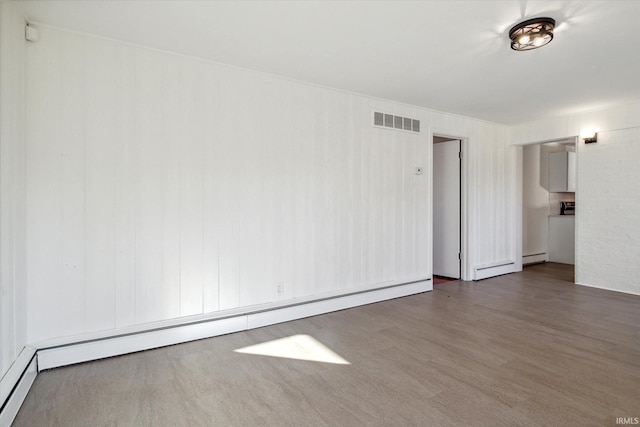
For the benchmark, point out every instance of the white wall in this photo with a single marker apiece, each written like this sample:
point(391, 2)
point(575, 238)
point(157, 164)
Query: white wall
point(12, 186)
point(607, 197)
point(608, 252)
point(161, 186)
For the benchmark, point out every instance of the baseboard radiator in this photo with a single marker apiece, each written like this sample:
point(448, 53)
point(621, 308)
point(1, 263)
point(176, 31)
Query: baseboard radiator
point(535, 258)
point(15, 384)
point(18, 380)
point(496, 269)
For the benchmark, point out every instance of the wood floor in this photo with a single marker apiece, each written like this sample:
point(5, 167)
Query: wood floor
point(527, 349)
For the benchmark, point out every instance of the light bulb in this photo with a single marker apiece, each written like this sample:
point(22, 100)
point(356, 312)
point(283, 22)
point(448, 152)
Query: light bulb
point(587, 133)
point(538, 41)
point(524, 39)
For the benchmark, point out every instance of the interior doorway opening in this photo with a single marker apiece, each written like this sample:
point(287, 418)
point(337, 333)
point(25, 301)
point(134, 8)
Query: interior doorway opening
point(549, 203)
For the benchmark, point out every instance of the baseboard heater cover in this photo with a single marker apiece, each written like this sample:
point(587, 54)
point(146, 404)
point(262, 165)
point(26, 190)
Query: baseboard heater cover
point(16, 384)
point(72, 353)
point(492, 270)
point(535, 258)
point(285, 314)
point(17, 381)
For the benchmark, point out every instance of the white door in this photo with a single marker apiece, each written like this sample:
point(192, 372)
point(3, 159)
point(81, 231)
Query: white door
point(446, 209)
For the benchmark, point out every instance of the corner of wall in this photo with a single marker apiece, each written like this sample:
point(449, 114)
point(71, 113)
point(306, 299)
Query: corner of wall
point(12, 184)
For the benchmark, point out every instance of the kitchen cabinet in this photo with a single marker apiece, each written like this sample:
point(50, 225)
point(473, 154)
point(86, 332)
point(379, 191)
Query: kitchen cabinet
point(562, 238)
point(562, 172)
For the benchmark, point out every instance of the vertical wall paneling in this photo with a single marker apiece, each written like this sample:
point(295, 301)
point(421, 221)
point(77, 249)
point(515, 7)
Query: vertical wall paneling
point(172, 145)
point(303, 195)
point(232, 115)
point(125, 185)
point(7, 286)
point(187, 187)
point(352, 204)
point(390, 174)
point(72, 189)
point(153, 301)
point(13, 322)
point(100, 188)
point(424, 198)
point(191, 190)
point(19, 182)
point(273, 126)
point(212, 188)
point(44, 210)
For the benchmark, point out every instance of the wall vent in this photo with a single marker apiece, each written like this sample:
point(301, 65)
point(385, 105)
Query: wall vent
point(389, 121)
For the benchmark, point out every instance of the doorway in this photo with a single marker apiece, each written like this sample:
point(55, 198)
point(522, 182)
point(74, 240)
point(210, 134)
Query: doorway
point(447, 208)
point(548, 204)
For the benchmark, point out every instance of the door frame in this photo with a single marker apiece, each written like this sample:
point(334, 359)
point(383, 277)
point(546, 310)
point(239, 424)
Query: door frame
point(465, 273)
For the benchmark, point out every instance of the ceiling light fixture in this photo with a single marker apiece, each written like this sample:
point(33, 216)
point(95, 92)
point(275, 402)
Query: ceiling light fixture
point(532, 33)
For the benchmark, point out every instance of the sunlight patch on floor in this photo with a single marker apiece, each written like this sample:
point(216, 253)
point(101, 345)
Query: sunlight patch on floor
point(300, 347)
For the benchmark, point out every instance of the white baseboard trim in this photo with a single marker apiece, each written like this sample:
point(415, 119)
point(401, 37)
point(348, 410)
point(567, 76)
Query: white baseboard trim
point(17, 387)
point(492, 270)
point(124, 344)
point(613, 289)
point(286, 314)
point(71, 353)
point(534, 258)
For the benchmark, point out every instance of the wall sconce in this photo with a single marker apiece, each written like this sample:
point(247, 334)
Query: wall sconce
point(589, 136)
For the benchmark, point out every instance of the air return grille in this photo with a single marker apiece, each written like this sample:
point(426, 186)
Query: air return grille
point(390, 121)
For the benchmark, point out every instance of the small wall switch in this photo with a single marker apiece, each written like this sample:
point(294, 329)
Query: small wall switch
point(418, 170)
point(280, 288)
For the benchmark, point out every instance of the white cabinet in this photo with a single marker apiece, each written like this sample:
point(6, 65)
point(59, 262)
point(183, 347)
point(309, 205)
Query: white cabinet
point(562, 239)
point(562, 172)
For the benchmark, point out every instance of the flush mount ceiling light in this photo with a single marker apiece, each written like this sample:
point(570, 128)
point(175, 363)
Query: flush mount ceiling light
point(532, 33)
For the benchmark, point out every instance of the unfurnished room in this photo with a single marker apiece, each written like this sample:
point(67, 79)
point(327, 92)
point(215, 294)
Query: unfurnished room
point(319, 213)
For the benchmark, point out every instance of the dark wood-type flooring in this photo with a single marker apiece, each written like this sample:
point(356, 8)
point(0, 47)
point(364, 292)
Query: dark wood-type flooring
point(529, 349)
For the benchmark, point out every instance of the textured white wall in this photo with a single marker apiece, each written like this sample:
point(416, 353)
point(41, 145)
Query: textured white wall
point(607, 201)
point(12, 185)
point(161, 186)
point(608, 252)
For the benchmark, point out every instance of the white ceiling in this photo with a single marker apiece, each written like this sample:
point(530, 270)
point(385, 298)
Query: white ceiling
point(451, 56)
